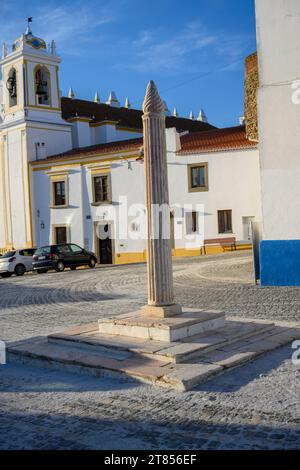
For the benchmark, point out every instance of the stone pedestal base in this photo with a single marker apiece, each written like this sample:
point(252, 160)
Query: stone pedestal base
point(188, 323)
point(166, 311)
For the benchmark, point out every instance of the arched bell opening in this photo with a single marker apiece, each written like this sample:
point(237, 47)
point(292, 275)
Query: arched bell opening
point(42, 86)
point(11, 85)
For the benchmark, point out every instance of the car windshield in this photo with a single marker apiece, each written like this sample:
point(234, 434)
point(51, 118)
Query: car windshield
point(9, 254)
point(44, 250)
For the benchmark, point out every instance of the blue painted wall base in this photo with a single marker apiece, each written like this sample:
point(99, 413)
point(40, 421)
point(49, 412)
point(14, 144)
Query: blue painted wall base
point(280, 263)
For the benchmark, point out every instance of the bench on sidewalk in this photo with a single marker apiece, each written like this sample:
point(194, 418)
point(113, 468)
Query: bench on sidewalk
point(229, 242)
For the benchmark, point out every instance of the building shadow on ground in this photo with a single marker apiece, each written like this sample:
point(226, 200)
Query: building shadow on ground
point(81, 431)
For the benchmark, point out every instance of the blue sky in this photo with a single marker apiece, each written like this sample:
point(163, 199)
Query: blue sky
point(193, 49)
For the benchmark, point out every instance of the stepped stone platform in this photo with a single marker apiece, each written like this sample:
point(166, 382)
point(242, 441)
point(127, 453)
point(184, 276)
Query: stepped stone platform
point(179, 352)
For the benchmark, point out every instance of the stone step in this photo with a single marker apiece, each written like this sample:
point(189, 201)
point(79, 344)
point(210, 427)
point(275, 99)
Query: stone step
point(187, 376)
point(54, 356)
point(135, 325)
point(116, 363)
point(179, 351)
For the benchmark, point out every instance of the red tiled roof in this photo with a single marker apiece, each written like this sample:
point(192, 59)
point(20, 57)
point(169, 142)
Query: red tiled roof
point(231, 138)
point(125, 117)
point(94, 150)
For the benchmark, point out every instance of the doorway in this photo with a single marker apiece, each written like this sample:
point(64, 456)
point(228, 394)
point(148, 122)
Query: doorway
point(60, 235)
point(104, 244)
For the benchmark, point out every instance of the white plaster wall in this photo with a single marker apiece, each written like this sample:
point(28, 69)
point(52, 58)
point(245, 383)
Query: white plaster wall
point(109, 133)
point(127, 189)
point(233, 179)
point(71, 216)
point(127, 135)
point(57, 139)
point(81, 134)
point(278, 42)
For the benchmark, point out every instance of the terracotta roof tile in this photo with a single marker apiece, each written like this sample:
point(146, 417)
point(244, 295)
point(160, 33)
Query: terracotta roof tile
point(231, 138)
point(94, 150)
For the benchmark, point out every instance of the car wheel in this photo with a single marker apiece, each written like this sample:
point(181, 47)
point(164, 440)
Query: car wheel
point(73, 268)
point(4, 275)
point(42, 271)
point(92, 263)
point(20, 270)
point(60, 267)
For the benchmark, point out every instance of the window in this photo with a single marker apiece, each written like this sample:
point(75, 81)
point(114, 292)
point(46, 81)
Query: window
point(44, 250)
point(101, 188)
point(63, 249)
point(59, 190)
point(60, 234)
point(11, 86)
point(8, 254)
point(198, 177)
point(76, 249)
point(27, 252)
point(42, 86)
point(59, 193)
point(191, 222)
point(225, 221)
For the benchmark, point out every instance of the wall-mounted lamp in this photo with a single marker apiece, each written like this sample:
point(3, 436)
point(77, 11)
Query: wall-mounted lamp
point(42, 225)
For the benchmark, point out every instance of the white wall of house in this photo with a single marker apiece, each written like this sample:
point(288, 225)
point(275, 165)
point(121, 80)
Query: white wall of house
point(233, 185)
point(278, 41)
point(233, 182)
point(104, 133)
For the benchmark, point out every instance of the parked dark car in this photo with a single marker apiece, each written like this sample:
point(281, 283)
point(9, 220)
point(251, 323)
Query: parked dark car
point(59, 257)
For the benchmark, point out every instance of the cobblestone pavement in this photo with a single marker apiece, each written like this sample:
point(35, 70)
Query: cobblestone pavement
point(256, 406)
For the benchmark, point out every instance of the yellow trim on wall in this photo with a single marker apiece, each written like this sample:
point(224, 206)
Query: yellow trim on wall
point(129, 129)
point(57, 87)
point(27, 89)
point(30, 206)
point(44, 108)
point(4, 193)
point(23, 184)
point(103, 123)
point(9, 195)
point(183, 252)
point(141, 257)
point(79, 119)
point(129, 258)
point(49, 129)
point(100, 170)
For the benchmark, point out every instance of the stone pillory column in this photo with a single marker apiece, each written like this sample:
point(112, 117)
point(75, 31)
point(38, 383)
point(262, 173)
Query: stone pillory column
point(160, 275)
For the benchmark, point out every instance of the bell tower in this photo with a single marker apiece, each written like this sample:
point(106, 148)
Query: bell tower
point(31, 127)
point(30, 84)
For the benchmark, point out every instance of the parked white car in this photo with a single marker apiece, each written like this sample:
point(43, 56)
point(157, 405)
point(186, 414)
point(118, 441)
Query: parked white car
point(16, 262)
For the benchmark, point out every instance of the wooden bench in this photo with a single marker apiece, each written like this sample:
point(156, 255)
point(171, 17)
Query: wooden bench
point(223, 242)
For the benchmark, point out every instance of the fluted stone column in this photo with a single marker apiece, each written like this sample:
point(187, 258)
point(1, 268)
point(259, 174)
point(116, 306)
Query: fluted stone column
point(159, 264)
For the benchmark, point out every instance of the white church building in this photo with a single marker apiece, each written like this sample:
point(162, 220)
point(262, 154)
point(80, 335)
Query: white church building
point(71, 169)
